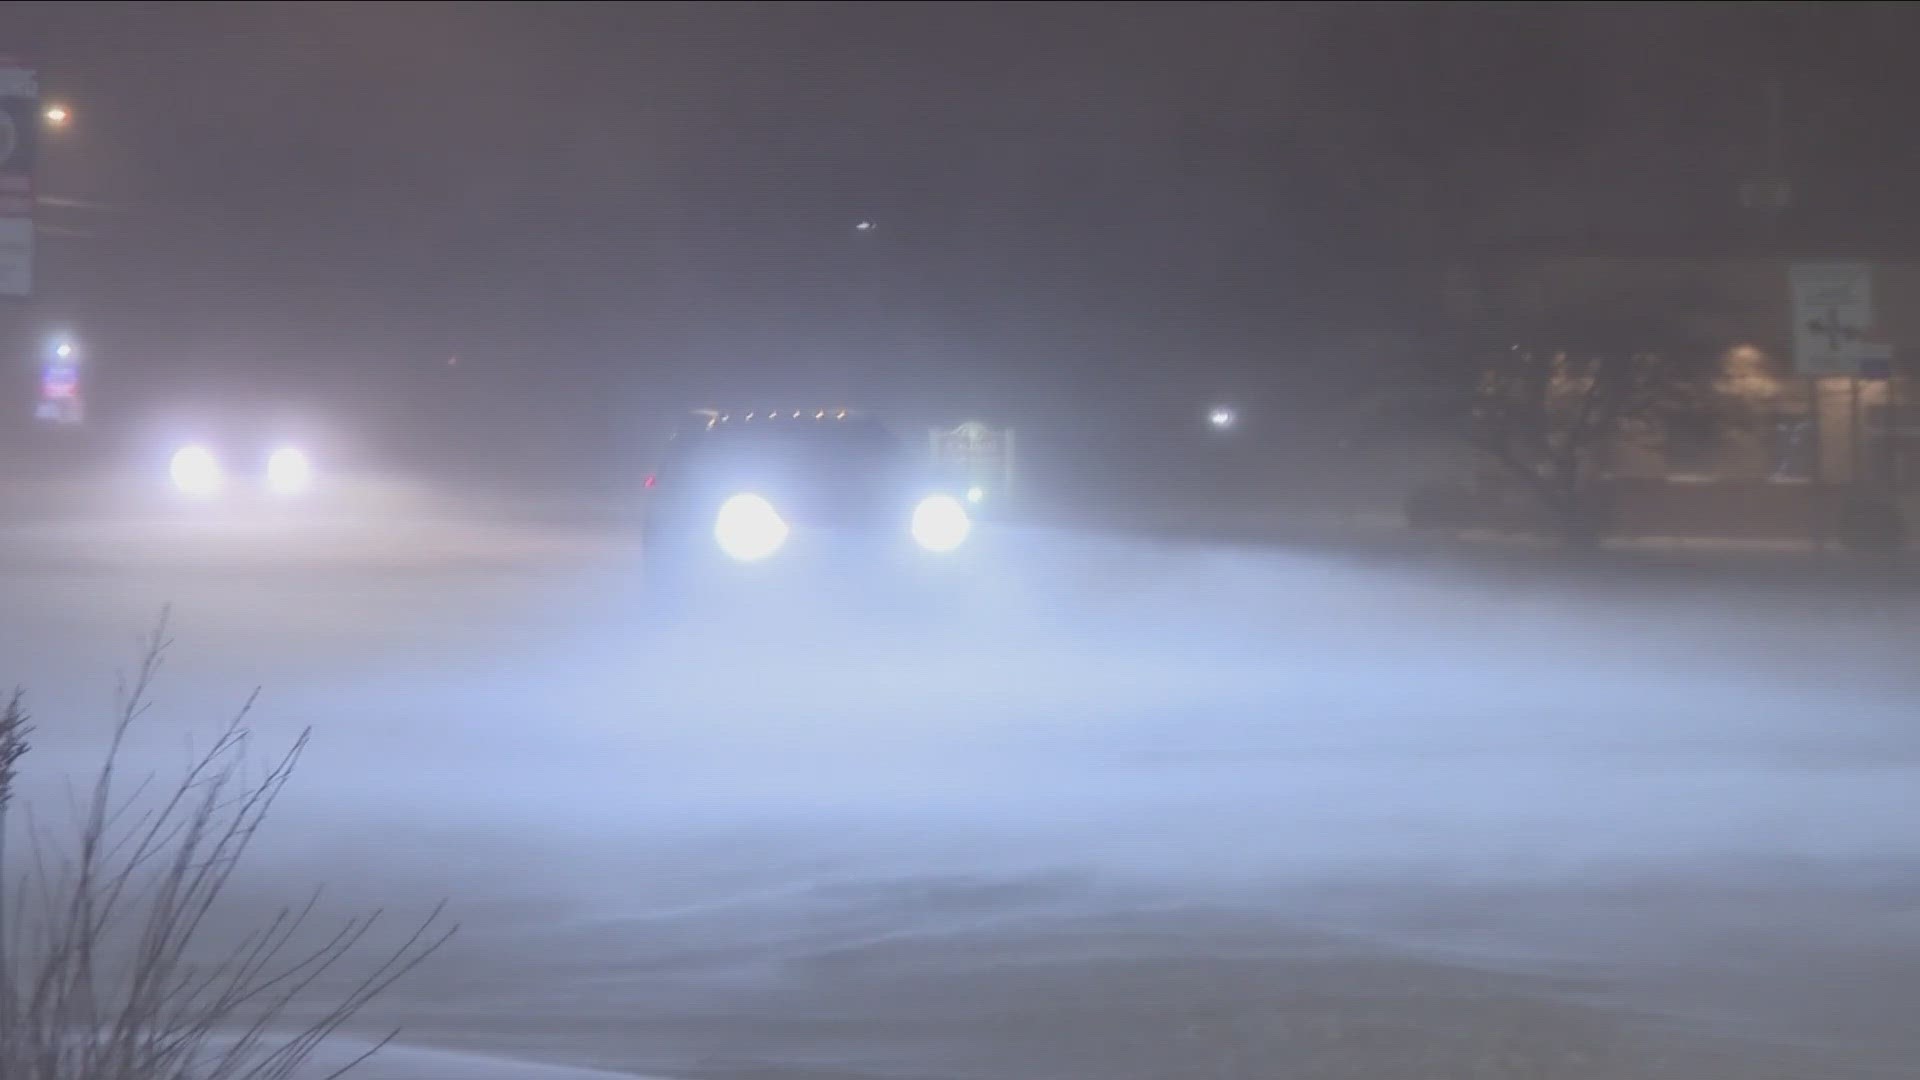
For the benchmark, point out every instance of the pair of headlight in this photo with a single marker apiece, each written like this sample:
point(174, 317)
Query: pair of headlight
point(196, 470)
point(748, 528)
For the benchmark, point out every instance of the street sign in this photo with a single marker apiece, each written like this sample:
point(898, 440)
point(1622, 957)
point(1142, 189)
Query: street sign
point(60, 398)
point(1832, 310)
point(19, 138)
point(1875, 360)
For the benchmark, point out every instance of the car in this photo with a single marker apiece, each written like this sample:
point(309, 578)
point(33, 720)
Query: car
point(198, 470)
point(802, 497)
point(233, 454)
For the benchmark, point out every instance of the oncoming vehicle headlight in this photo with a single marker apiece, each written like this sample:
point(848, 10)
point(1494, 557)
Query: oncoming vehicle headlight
point(747, 528)
point(195, 471)
point(940, 523)
point(289, 472)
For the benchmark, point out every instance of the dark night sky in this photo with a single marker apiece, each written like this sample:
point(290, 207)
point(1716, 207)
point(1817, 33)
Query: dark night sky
point(659, 195)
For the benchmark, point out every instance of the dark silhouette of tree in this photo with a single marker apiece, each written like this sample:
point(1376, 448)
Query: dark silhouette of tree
point(1602, 372)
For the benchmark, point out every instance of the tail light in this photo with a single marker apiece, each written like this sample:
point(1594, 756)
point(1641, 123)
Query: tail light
point(649, 481)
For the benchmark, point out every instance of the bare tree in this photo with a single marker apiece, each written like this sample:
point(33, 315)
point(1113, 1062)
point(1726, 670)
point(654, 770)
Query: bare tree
point(107, 972)
point(1609, 371)
point(1552, 417)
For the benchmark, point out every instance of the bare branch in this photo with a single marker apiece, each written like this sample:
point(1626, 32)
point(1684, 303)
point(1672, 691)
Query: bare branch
point(101, 972)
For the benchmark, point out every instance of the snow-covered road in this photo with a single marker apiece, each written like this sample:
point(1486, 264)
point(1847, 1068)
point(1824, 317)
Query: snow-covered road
point(1145, 810)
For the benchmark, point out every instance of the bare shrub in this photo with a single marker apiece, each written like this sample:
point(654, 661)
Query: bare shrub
point(106, 967)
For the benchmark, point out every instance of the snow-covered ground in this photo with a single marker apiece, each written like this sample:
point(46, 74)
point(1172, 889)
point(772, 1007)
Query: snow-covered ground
point(1142, 809)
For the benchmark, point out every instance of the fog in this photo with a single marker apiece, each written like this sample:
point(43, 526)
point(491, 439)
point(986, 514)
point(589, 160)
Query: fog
point(1196, 761)
point(1120, 804)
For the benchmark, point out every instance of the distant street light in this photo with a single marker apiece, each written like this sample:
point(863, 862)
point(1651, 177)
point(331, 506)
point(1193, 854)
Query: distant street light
point(1222, 419)
point(63, 350)
point(864, 226)
point(57, 115)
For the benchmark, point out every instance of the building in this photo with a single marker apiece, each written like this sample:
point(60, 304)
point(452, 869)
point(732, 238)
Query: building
point(1857, 434)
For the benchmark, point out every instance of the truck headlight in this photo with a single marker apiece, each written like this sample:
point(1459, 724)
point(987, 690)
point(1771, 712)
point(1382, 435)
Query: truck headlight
point(195, 471)
point(747, 528)
point(288, 472)
point(940, 523)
